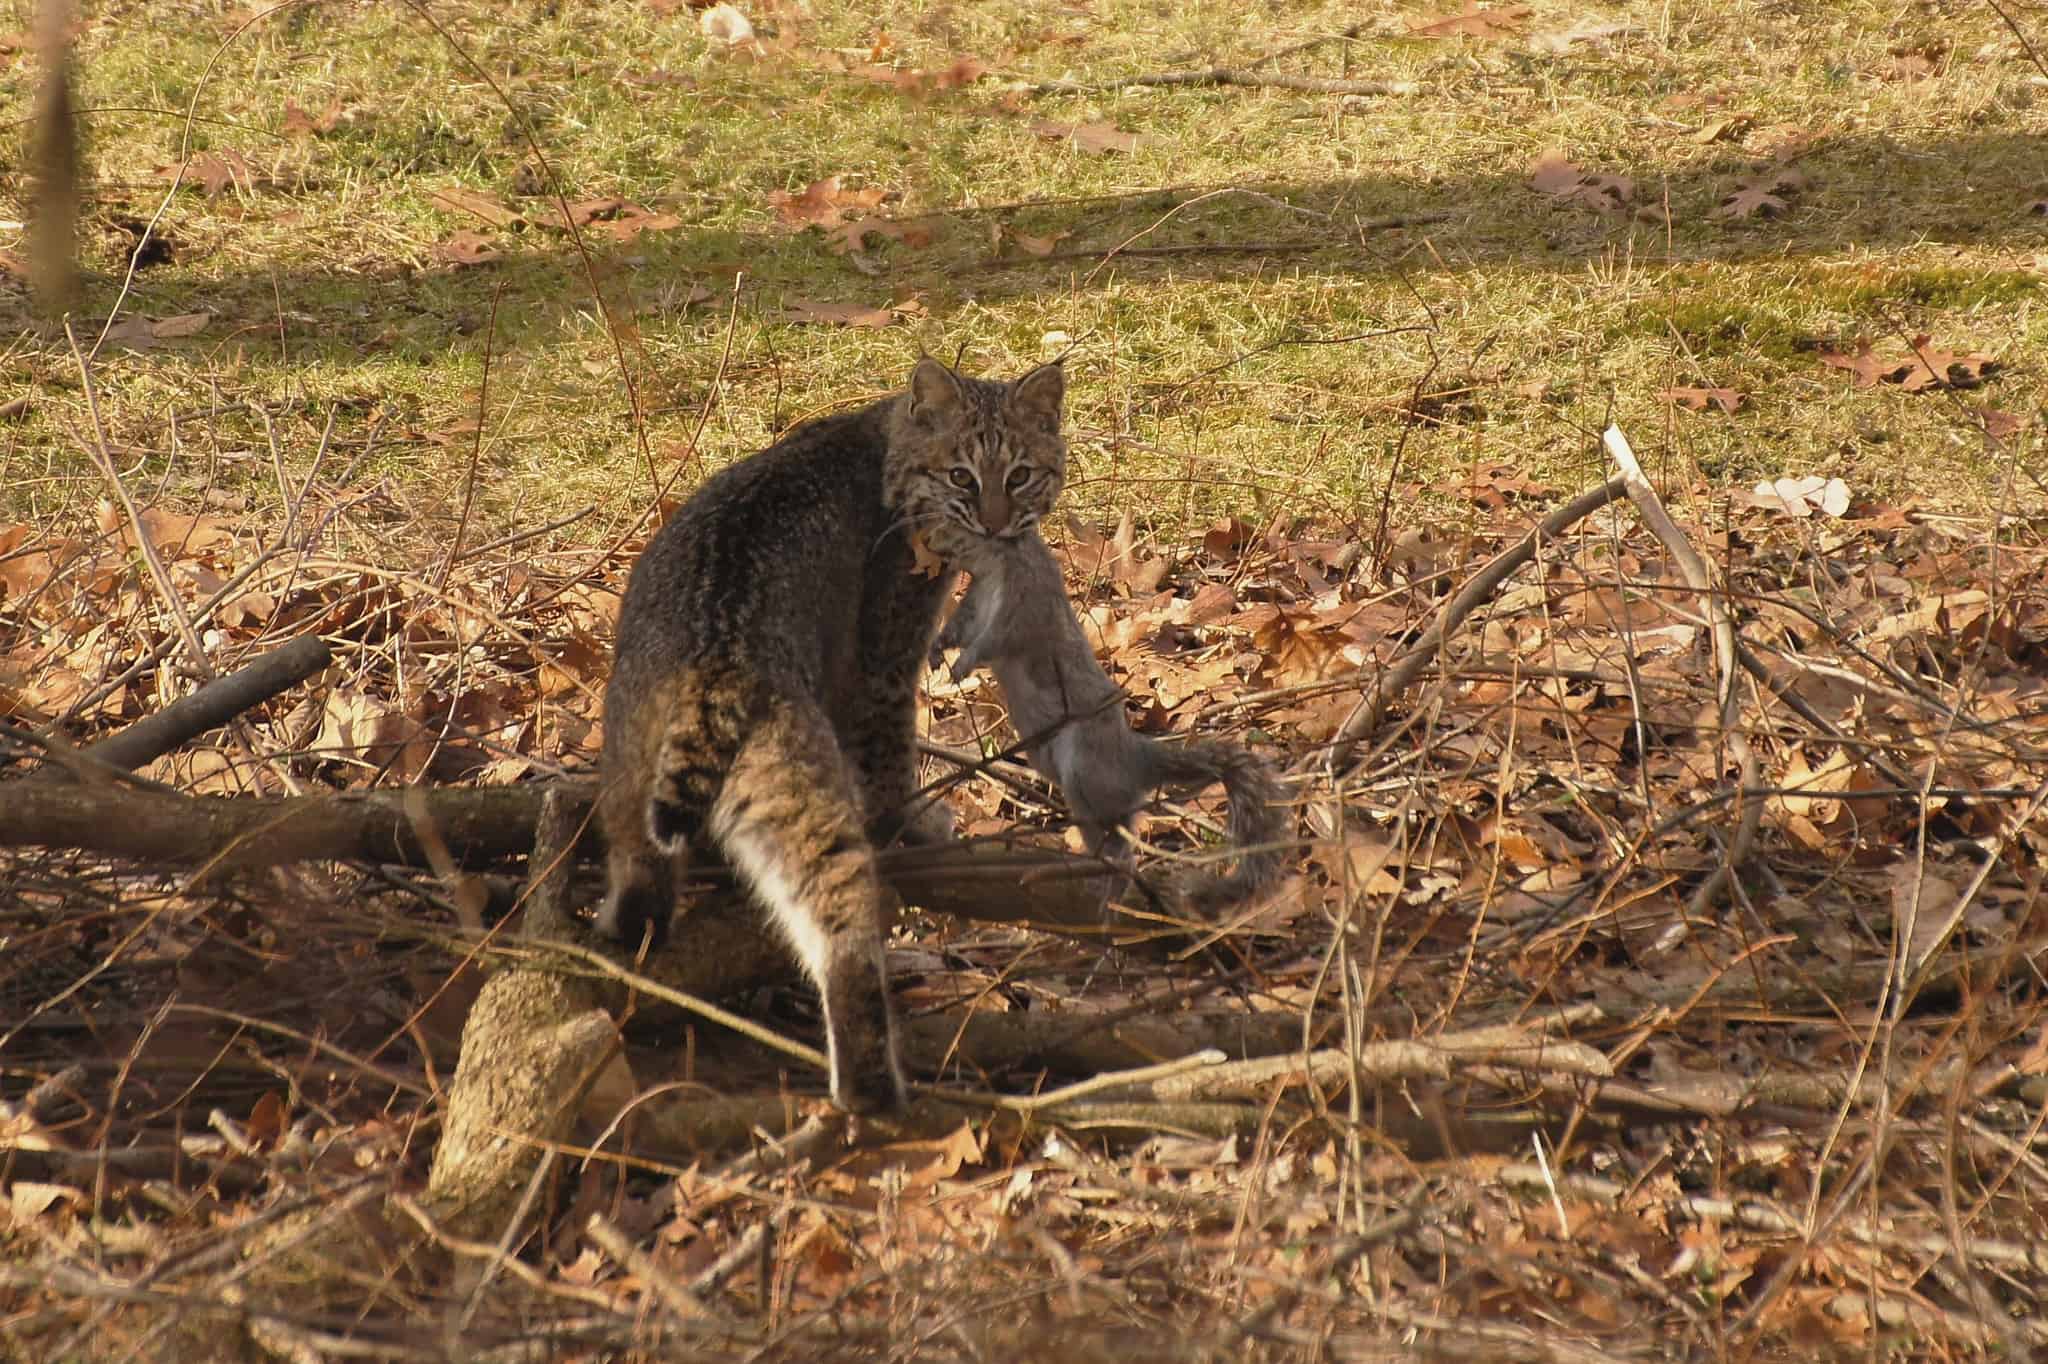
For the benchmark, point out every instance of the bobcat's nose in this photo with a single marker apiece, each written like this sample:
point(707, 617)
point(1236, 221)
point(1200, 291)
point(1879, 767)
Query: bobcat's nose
point(995, 510)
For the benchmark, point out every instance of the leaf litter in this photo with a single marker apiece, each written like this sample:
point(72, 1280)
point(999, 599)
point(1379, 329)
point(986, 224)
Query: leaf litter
point(1576, 694)
point(1923, 366)
point(1460, 847)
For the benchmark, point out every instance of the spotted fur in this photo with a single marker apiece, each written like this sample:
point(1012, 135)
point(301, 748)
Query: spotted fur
point(763, 690)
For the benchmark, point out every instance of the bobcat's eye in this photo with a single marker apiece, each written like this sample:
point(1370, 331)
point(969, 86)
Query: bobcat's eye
point(961, 478)
point(1019, 476)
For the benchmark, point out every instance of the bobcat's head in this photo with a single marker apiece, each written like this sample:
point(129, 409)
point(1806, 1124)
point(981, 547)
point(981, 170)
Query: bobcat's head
point(973, 460)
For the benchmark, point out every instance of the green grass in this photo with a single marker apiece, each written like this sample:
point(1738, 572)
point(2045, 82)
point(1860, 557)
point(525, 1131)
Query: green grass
point(1548, 318)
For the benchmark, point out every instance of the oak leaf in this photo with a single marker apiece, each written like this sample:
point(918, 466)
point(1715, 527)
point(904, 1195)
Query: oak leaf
point(1725, 129)
point(1927, 366)
point(492, 208)
point(1100, 136)
point(180, 326)
point(137, 333)
point(299, 123)
point(851, 236)
point(964, 71)
point(834, 314)
point(1766, 194)
point(924, 563)
point(2000, 425)
point(1037, 246)
point(1554, 174)
point(212, 171)
point(822, 203)
point(1700, 399)
point(1472, 22)
point(466, 248)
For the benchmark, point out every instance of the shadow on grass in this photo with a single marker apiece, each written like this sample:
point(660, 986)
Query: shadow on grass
point(1864, 196)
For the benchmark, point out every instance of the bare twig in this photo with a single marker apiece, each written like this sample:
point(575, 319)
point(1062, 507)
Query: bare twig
point(681, 1302)
point(2019, 33)
point(1727, 668)
point(1227, 75)
point(212, 705)
point(476, 444)
point(1373, 708)
point(174, 606)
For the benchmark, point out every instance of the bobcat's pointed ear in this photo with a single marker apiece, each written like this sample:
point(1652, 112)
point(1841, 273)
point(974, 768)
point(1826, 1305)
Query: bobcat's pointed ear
point(1039, 395)
point(934, 389)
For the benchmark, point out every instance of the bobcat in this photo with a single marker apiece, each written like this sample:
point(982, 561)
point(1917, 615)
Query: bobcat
point(762, 696)
point(1015, 619)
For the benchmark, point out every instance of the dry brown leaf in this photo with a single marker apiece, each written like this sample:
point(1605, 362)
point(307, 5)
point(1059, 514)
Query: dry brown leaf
point(466, 248)
point(1299, 646)
point(137, 333)
point(1358, 861)
point(174, 534)
point(299, 123)
point(1927, 903)
point(1497, 485)
point(1700, 399)
point(1227, 538)
point(822, 202)
point(852, 236)
point(923, 561)
point(962, 72)
point(834, 314)
point(1095, 558)
point(180, 326)
point(1553, 174)
point(1765, 194)
point(630, 220)
point(1914, 61)
point(2034, 1060)
point(2000, 425)
point(1724, 129)
point(1036, 246)
point(1099, 137)
point(1925, 366)
point(1474, 21)
point(212, 172)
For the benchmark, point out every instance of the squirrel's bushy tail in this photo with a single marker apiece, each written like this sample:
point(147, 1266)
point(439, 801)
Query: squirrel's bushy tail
point(1257, 828)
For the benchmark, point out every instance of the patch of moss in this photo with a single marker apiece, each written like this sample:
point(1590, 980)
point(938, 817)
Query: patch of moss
point(1925, 286)
point(1718, 322)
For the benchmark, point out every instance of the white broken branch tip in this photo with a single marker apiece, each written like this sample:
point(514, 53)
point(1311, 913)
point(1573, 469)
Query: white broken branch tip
point(1624, 456)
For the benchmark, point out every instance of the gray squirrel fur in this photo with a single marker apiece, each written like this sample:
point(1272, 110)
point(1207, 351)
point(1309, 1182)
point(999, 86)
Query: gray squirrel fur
point(1016, 621)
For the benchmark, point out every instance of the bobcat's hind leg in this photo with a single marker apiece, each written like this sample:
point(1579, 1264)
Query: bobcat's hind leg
point(668, 745)
point(790, 820)
point(640, 874)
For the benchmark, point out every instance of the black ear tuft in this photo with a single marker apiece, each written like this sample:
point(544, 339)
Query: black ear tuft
point(1039, 395)
point(934, 389)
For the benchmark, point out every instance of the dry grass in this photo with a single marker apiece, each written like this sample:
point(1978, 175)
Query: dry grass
point(1546, 318)
point(1799, 1154)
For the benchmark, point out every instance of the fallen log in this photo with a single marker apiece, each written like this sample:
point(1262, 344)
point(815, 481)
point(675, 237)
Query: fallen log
point(484, 826)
